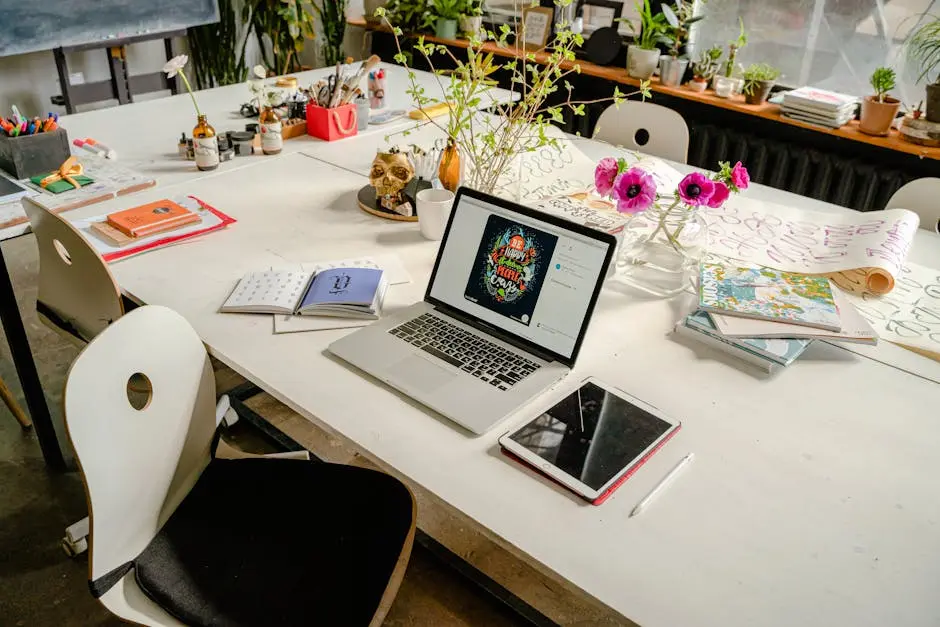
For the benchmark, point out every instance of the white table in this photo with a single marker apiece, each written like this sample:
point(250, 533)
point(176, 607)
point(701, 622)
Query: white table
point(145, 135)
point(812, 499)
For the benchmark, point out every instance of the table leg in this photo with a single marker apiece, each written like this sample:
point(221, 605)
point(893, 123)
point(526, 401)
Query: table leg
point(26, 370)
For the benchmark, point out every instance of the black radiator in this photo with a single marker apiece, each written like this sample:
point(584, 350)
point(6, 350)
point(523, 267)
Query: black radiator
point(793, 167)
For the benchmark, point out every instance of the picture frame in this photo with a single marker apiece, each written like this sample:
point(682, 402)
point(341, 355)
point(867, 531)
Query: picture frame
point(537, 26)
point(600, 14)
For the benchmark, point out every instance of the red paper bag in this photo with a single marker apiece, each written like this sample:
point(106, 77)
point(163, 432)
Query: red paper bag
point(332, 124)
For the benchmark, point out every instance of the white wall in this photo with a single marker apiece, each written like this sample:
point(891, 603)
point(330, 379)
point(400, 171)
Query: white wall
point(30, 80)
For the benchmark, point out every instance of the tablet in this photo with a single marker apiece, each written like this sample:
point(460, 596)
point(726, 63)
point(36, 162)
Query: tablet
point(591, 439)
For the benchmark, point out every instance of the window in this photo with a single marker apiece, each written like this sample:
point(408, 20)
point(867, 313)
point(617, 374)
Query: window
point(831, 44)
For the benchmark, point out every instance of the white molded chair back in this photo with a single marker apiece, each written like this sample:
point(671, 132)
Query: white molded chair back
point(74, 281)
point(922, 196)
point(138, 464)
point(667, 131)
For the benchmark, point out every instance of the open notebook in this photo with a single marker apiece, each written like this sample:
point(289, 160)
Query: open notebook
point(346, 292)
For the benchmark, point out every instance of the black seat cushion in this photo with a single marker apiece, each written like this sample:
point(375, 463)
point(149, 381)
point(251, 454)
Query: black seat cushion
point(279, 542)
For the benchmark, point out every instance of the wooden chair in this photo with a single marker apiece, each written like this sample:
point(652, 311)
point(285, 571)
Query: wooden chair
point(14, 407)
point(179, 537)
point(78, 297)
point(645, 127)
point(922, 196)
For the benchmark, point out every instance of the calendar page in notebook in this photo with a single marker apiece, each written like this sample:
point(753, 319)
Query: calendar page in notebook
point(271, 291)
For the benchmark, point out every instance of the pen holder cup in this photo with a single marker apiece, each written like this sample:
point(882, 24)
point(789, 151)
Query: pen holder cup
point(28, 155)
point(332, 124)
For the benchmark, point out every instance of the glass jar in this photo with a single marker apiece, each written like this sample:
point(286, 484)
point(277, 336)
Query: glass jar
point(272, 142)
point(662, 249)
point(205, 145)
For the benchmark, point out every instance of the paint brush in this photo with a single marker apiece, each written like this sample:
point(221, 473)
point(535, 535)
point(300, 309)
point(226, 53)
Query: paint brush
point(350, 85)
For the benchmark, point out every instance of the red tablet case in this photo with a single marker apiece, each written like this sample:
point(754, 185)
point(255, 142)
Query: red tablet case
point(605, 495)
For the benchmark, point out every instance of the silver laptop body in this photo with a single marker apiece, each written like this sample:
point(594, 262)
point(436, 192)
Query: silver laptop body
point(503, 318)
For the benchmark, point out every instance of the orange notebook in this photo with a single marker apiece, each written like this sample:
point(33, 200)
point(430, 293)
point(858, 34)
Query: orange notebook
point(154, 217)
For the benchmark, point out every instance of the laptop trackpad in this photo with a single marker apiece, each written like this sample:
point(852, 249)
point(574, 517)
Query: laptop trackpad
point(417, 373)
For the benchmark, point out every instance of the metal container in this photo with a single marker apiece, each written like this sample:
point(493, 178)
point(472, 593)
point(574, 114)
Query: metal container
point(671, 70)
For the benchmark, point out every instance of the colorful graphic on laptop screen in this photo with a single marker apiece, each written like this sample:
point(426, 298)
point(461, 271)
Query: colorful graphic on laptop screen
point(509, 268)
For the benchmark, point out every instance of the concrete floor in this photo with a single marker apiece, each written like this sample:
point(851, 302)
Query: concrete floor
point(40, 586)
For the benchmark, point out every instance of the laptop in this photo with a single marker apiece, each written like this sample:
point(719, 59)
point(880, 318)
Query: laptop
point(503, 318)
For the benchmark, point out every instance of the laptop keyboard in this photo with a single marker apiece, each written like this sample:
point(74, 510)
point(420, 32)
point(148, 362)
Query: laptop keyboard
point(471, 353)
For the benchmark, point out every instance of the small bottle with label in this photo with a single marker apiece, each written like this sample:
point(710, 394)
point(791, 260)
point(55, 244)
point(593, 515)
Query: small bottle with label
point(271, 140)
point(205, 145)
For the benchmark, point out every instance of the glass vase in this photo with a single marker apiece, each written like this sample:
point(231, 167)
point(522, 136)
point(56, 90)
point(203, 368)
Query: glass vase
point(662, 249)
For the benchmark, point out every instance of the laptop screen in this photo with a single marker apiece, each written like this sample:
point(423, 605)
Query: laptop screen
point(536, 279)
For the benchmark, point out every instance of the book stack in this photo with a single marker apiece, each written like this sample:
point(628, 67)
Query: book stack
point(818, 106)
point(768, 317)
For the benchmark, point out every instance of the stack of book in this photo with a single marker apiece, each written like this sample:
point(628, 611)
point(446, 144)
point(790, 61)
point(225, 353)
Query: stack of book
point(818, 106)
point(768, 317)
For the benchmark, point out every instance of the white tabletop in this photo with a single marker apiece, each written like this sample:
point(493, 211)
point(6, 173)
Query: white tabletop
point(812, 499)
point(145, 134)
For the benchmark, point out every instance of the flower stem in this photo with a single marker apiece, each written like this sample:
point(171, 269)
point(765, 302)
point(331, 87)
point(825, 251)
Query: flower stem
point(189, 88)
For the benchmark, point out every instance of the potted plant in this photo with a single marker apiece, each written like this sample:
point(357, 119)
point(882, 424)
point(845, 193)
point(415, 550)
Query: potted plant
point(759, 79)
point(923, 48)
point(333, 23)
point(705, 68)
point(879, 110)
point(726, 84)
point(447, 13)
point(643, 56)
point(672, 67)
point(471, 22)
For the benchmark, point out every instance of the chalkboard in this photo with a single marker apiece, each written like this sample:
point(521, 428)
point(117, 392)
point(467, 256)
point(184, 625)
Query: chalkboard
point(47, 24)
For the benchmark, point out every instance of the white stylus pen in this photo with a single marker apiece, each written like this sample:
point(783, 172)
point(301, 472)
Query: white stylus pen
point(661, 485)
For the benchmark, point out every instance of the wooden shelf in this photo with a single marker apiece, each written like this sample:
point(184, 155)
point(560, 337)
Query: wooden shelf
point(767, 111)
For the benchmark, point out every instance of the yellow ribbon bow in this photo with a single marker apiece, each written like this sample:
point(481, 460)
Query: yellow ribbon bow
point(69, 168)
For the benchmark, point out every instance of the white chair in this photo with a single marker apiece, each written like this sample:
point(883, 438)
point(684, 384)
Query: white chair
point(645, 127)
point(922, 196)
point(77, 294)
point(179, 537)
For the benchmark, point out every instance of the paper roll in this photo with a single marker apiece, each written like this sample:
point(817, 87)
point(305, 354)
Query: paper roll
point(875, 280)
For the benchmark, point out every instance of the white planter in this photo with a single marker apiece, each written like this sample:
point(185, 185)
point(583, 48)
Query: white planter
point(726, 87)
point(641, 63)
point(471, 25)
point(698, 86)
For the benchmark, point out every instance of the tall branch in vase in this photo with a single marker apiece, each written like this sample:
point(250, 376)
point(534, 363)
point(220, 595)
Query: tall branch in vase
point(489, 143)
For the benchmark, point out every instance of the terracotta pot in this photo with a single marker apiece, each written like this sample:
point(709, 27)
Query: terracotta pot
point(877, 116)
point(933, 102)
point(759, 92)
point(698, 85)
point(641, 63)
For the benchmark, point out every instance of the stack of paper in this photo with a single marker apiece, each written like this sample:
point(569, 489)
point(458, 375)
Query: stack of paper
point(818, 106)
point(768, 317)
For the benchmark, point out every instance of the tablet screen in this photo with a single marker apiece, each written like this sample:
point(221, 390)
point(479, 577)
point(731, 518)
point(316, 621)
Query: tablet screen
point(592, 435)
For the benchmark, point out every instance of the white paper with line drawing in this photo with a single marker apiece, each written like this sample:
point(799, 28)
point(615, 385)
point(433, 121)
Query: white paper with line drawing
point(910, 314)
point(811, 242)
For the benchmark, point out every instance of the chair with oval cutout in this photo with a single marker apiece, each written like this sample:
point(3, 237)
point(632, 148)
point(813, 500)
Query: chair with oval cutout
point(922, 196)
point(180, 537)
point(78, 297)
point(645, 127)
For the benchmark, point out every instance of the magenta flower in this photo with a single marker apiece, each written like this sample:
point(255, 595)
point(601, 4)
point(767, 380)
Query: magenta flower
point(739, 176)
point(719, 196)
point(696, 189)
point(604, 175)
point(634, 191)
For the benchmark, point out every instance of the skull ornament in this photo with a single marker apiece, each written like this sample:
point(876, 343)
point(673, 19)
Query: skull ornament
point(391, 172)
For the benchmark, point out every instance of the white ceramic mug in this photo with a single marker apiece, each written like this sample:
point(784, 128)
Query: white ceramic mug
point(433, 211)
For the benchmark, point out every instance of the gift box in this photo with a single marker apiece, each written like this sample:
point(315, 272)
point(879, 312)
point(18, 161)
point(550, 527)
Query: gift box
point(332, 124)
point(24, 156)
